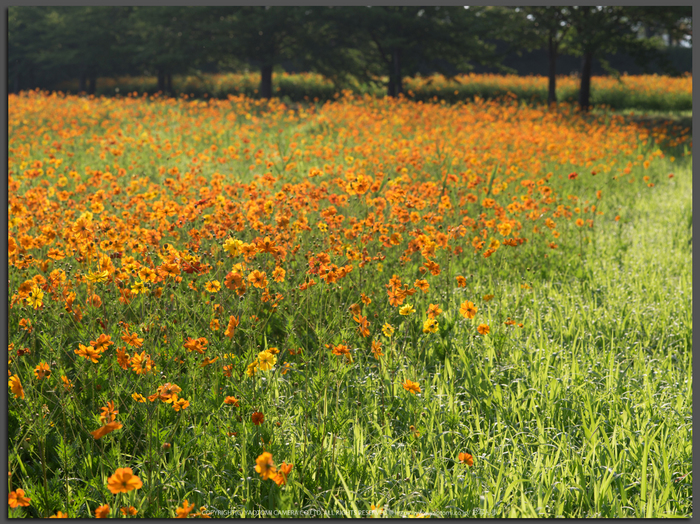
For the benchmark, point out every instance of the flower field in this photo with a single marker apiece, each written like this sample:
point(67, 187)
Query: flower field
point(368, 306)
point(640, 92)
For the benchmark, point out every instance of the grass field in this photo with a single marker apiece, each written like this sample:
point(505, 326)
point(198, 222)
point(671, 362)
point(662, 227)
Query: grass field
point(636, 92)
point(364, 307)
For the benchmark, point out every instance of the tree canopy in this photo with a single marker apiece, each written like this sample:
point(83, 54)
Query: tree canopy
point(378, 44)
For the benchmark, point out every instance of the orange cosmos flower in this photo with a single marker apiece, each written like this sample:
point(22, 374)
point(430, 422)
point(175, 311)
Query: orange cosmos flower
point(466, 458)
point(434, 310)
point(102, 512)
point(468, 309)
point(198, 345)
point(132, 339)
point(16, 386)
point(278, 274)
point(141, 363)
point(461, 281)
point(265, 466)
point(232, 325)
point(257, 418)
point(184, 510)
point(42, 371)
point(281, 477)
point(102, 343)
point(59, 515)
point(123, 481)
point(483, 329)
point(258, 279)
point(231, 401)
point(377, 349)
point(108, 412)
point(17, 498)
point(207, 361)
point(123, 358)
point(131, 510)
point(179, 403)
point(411, 387)
point(88, 352)
point(342, 350)
point(422, 284)
point(106, 429)
point(67, 383)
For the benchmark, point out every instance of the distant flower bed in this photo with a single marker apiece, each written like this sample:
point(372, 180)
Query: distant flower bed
point(647, 92)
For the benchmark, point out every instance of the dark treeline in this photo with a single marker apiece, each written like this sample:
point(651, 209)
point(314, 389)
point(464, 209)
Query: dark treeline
point(48, 45)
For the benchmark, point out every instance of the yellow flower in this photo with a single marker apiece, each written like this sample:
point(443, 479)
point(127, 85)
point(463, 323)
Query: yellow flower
point(406, 310)
point(213, 286)
point(138, 397)
point(35, 298)
point(97, 276)
point(252, 369)
point(266, 360)
point(233, 246)
point(388, 330)
point(430, 326)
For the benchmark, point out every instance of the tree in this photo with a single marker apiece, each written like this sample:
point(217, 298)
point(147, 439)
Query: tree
point(389, 41)
point(607, 29)
point(263, 36)
point(171, 40)
point(25, 27)
point(88, 42)
point(548, 26)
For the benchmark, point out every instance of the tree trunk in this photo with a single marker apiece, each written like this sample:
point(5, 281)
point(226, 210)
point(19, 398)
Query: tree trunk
point(266, 81)
point(169, 83)
point(92, 83)
point(584, 94)
point(395, 80)
point(82, 87)
point(552, 94)
point(161, 81)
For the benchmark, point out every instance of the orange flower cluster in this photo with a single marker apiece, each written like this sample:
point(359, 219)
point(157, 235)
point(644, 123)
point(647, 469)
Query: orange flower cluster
point(265, 467)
